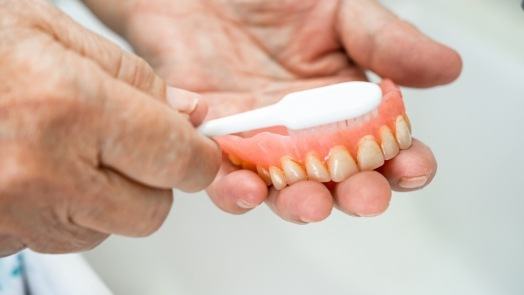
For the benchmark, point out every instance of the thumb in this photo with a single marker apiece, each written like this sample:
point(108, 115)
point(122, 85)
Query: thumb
point(189, 103)
point(378, 40)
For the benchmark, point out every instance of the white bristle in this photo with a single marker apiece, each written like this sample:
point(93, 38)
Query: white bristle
point(334, 127)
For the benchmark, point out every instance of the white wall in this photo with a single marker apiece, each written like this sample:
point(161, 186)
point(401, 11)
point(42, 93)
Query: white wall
point(462, 235)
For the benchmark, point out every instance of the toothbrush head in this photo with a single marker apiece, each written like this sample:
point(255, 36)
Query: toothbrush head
point(329, 104)
point(303, 109)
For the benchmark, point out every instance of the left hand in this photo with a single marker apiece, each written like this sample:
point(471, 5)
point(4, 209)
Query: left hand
point(242, 55)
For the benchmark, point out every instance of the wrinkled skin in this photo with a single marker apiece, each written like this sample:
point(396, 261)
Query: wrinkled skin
point(245, 54)
point(79, 159)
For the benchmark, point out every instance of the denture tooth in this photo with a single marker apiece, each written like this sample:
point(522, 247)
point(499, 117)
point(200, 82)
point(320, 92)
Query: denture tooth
point(248, 166)
point(316, 169)
point(294, 172)
point(388, 143)
point(234, 160)
point(369, 155)
point(277, 177)
point(409, 123)
point(264, 174)
point(340, 164)
point(402, 133)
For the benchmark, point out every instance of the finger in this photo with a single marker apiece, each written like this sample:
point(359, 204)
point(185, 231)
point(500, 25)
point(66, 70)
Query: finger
point(364, 194)
point(127, 67)
point(189, 103)
point(153, 144)
point(378, 40)
point(116, 62)
point(302, 202)
point(412, 169)
point(122, 206)
point(9, 245)
point(37, 193)
point(120, 64)
point(61, 242)
point(237, 191)
point(123, 65)
point(45, 228)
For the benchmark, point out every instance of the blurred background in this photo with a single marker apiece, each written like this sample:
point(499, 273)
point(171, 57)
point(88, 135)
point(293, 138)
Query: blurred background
point(464, 234)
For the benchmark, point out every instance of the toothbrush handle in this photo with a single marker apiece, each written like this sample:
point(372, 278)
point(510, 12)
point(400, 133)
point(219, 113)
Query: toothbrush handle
point(250, 120)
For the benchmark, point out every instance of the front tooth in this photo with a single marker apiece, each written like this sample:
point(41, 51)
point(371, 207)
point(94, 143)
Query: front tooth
point(369, 155)
point(264, 174)
point(292, 170)
point(388, 143)
point(277, 177)
point(409, 123)
point(402, 133)
point(315, 169)
point(340, 164)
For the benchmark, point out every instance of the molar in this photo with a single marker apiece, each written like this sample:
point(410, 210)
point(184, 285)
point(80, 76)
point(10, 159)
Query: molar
point(292, 170)
point(369, 155)
point(402, 133)
point(315, 169)
point(340, 164)
point(277, 177)
point(388, 143)
point(264, 174)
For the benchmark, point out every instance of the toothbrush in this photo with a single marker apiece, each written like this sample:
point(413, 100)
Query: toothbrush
point(303, 109)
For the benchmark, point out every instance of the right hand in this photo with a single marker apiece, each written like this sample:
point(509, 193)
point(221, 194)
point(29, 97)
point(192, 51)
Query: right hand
point(88, 146)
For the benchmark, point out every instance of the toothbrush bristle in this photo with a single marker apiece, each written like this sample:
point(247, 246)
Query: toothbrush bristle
point(333, 127)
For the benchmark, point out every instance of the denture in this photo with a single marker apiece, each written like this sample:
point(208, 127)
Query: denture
point(330, 153)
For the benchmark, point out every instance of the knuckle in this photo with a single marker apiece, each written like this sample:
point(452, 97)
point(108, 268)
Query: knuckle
point(81, 239)
point(20, 12)
point(9, 245)
point(138, 73)
point(41, 245)
point(197, 166)
point(31, 104)
point(186, 156)
point(92, 244)
point(156, 215)
point(18, 171)
point(58, 236)
point(41, 115)
point(171, 161)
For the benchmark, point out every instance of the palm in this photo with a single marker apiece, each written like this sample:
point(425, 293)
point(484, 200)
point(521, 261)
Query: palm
point(244, 54)
point(239, 57)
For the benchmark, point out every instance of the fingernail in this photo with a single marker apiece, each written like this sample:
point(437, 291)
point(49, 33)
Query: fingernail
point(369, 214)
point(245, 204)
point(306, 220)
point(413, 182)
point(182, 100)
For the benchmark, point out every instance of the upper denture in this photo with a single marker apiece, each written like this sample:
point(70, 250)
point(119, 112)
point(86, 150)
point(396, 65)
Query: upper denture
point(318, 153)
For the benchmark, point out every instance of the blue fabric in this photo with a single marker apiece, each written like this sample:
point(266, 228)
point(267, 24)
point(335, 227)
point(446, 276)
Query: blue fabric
point(12, 275)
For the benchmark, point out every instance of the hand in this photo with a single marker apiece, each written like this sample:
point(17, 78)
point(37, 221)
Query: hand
point(246, 54)
point(89, 147)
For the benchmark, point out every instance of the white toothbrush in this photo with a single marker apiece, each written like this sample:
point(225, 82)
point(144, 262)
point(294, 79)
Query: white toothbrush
point(303, 109)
